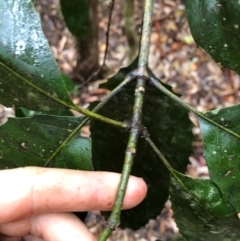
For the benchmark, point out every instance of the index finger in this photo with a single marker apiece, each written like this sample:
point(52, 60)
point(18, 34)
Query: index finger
point(34, 190)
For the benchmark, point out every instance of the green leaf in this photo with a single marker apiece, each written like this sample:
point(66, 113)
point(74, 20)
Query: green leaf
point(222, 152)
point(76, 16)
point(23, 112)
point(215, 26)
point(71, 87)
point(29, 76)
point(31, 141)
point(170, 129)
point(200, 210)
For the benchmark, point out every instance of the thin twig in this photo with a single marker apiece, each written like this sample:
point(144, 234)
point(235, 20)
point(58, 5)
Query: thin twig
point(114, 219)
point(160, 155)
point(90, 78)
point(156, 82)
point(99, 117)
point(131, 76)
point(108, 31)
point(174, 174)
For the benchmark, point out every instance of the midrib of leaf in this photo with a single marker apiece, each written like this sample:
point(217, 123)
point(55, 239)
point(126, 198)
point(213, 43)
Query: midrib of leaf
point(74, 107)
point(211, 121)
point(36, 87)
point(193, 196)
point(223, 115)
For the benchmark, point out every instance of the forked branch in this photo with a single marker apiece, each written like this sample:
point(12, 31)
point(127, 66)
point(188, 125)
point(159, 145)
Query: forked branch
point(131, 76)
point(136, 122)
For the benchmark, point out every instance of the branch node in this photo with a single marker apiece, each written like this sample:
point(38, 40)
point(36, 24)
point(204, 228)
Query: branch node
point(129, 125)
point(145, 133)
point(142, 72)
point(110, 225)
point(141, 89)
point(132, 151)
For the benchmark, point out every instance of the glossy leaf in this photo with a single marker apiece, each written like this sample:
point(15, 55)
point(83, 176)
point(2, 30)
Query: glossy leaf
point(170, 129)
point(76, 16)
point(215, 26)
point(71, 87)
point(29, 76)
point(222, 152)
point(31, 141)
point(201, 212)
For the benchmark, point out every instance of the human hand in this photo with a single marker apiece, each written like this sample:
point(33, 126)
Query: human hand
point(36, 203)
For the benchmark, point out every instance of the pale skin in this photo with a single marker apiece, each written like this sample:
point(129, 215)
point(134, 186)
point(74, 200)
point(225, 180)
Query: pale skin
point(36, 203)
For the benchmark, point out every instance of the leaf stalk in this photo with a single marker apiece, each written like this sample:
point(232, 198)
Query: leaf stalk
point(174, 174)
point(174, 97)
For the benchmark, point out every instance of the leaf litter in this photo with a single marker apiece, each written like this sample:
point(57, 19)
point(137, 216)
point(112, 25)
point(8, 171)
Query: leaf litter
point(174, 58)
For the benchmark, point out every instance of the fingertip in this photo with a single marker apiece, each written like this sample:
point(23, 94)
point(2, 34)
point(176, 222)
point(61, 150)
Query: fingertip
point(135, 193)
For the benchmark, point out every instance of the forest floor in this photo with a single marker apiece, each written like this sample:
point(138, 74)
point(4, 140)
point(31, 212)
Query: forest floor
point(174, 58)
